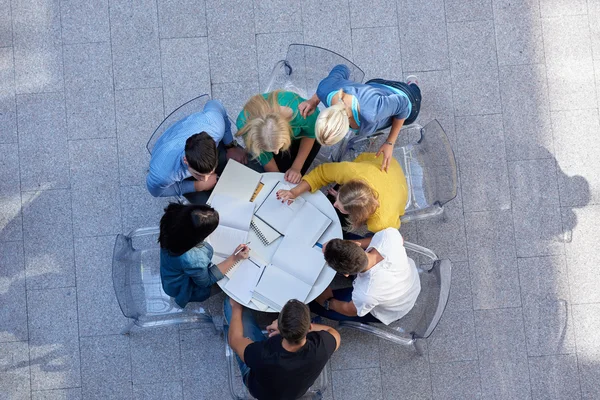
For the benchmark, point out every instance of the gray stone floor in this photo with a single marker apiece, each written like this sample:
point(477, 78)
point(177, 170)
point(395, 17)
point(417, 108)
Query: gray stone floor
point(514, 82)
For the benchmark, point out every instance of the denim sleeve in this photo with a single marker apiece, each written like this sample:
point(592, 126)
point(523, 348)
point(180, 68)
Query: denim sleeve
point(203, 272)
point(336, 79)
point(222, 121)
point(393, 105)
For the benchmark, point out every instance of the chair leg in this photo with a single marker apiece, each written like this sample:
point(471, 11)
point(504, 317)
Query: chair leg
point(417, 343)
point(127, 329)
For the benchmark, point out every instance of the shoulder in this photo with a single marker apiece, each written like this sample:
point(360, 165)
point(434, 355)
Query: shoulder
point(387, 240)
point(198, 256)
point(322, 340)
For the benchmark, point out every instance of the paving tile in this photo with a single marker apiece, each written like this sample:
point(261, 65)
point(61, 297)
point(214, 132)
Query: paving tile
point(357, 346)
point(437, 99)
point(10, 184)
point(8, 113)
point(378, 13)
point(199, 378)
point(232, 52)
point(135, 44)
point(97, 213)
point(554, 377)
point(538, 232)
point(84, 22)
point(48, 239)
point(53, 340)
point(518, 32)
point(139, 209)
point(155, 355)
point(376, 54)
point(13, 313)
point(587, 324)
point(492, 260)
point(336, 35)
point(14, 370)
point(106, 367)
point(546, 310)
point(562, 8)
point(502, 354)
point(478, 10)
point(234, 96)
point(11, 223)
point(178, 18)
point(472, 50)
point(576, 136)
point(37, 46)
point(158, 391)
point(453, 338)
point(98, 310)
point(581, 256)
point(42, 141)
point(277, 16)
point(356, 384)
point(395, 361)
point(270, 48)
point(482, 160)
point(569, 63)
point(594, 18)
point(460, 298)
point(185, 70)
point(526, 119)
point(57, 394)
point(5, 24)
point(139, 112)
point(423, 34)
point(93, 163)
point(456, 380)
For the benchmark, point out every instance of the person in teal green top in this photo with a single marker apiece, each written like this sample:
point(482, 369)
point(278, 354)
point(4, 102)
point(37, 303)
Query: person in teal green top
point(277, 135)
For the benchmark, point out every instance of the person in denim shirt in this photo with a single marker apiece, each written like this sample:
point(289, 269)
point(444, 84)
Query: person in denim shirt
point(186, 269)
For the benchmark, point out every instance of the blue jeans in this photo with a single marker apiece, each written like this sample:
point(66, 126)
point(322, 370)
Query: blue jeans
point(251, 330)
point(344, 294)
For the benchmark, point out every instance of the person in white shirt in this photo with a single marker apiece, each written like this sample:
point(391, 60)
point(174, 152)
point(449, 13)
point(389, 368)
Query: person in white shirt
point(386, 286)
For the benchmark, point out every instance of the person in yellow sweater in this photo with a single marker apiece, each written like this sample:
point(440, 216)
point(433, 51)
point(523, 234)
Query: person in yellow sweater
point(367, 194)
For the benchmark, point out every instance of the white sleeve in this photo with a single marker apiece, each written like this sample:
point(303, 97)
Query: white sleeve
point(363, 302)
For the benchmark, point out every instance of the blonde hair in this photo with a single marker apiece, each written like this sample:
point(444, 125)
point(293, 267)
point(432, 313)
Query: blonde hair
point(266, 129)
point(332, 124)
point(359, 200)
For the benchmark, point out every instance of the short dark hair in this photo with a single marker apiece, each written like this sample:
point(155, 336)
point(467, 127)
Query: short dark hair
point(183, 227)
point(294, 321)
point(345, 257)
point(201, 153)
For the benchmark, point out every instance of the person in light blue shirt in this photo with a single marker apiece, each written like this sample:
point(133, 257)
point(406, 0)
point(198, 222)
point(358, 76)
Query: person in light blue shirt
point(363, 108)
point(188, 156)
point(186, 268)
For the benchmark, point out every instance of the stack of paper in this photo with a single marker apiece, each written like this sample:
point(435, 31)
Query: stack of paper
point(237, 181)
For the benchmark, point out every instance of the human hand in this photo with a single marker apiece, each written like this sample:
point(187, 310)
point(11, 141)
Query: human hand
point(207, 184)
point(235, 306)
point(387, 150)
point(326, 295)
point(238, 154)
point(284, 195)
point(273, 329)
point(332, 192)
point(293, 175)
point(306, 108)
point(241, 252)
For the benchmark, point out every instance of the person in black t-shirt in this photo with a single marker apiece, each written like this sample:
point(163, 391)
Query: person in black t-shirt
point(286, 364)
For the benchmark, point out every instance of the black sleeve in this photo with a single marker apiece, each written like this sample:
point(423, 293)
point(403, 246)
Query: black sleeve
point(252, 354)
point(328, 342)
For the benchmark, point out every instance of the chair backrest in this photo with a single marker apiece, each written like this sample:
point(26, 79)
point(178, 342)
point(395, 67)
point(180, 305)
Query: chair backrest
point(305, 66)
point(138, 286)
point(427, 160)
point(190, 107)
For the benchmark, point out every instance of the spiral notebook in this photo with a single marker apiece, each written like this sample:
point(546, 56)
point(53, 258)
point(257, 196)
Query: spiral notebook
point(265, 233)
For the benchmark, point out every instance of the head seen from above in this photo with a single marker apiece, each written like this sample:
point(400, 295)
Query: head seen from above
point(294, 321)
point(332, 124)
point(357, 199)
point(267, 126)
point(183, 227)
point(345, 257)
point(201, 156)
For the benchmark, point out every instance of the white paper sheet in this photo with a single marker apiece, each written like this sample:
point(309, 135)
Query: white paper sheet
point(243, 281)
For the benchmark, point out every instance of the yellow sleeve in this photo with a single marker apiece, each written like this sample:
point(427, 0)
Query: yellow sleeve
point(325, 174)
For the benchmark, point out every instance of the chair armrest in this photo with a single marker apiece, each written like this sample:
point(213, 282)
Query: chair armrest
point(144, 232)
point(421, 250)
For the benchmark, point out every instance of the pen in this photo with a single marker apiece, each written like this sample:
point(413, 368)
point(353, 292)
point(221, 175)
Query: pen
point(240, 250)
point(319, 245)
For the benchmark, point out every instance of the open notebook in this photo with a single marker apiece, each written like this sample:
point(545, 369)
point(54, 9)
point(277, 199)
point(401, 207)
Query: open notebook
point(291, 274)
point(236, 181)
point(243, 278)
point(234, 223)
point(276, 214)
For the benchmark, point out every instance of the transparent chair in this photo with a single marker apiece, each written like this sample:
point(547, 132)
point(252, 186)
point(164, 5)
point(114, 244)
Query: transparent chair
point(138, 287)
point(428, 163)
point(302, 70)
point(421, 320)
point(238, 390)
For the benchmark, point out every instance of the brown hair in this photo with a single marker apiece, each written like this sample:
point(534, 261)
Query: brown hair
point(294, 321)
point(345, 257)
point(359, 200)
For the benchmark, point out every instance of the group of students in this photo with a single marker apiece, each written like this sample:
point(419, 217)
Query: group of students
point(283, 132)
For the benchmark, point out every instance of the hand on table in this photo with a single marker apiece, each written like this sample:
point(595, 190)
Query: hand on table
point(273, 329)
point(238, 154)
point(285, 195)
point(326, 295)
point(241, 252)
point(293, 175)
point(387, 150)
point(306, 108)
